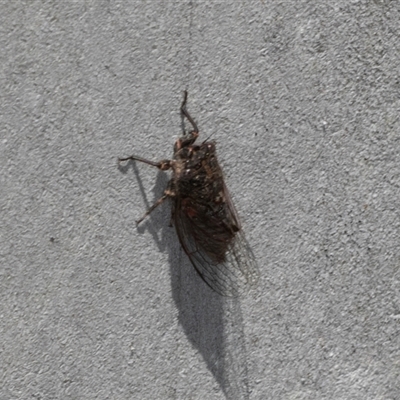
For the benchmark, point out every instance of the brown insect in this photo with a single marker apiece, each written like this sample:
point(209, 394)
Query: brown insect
point(204, 216)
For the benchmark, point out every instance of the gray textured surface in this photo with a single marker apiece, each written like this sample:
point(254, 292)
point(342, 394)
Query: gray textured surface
point(303, 99)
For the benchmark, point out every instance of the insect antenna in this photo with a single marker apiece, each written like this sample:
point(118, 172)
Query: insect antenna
point(205, 140)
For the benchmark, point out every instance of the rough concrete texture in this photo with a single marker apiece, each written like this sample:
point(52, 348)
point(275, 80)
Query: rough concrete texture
point(303, 101)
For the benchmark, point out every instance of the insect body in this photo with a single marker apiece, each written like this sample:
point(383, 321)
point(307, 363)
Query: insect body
point(204, 216)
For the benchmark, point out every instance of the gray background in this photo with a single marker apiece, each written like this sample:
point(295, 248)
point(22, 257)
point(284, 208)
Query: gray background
point(303, 100)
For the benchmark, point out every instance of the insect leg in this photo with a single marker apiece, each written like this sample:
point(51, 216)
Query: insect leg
point(187, 115)
point(169, 192)
point(156, 204)
point(163, 164)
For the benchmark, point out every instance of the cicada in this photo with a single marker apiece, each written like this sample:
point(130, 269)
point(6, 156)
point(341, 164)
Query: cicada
point(204, 216)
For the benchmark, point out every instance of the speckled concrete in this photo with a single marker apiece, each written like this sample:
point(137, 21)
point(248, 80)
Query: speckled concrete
point(303, 101)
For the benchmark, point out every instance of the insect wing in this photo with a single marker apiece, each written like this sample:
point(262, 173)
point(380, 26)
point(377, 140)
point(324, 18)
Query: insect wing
point(222, 258)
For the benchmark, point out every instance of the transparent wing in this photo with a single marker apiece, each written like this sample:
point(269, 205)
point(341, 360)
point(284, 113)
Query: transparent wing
point(222, 258)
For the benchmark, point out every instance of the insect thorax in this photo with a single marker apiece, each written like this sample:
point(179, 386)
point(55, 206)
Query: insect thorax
point(197, 173)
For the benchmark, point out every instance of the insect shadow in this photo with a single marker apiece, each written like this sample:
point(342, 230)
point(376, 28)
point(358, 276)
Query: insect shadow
point(212, 323)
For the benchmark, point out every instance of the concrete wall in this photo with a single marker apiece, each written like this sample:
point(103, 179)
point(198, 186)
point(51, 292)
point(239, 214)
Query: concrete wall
point(303, 101)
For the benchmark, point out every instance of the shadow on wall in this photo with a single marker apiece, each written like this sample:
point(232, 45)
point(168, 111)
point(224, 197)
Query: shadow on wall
point(212, 323)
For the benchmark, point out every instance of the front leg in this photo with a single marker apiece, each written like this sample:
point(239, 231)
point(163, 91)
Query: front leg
point(163, 164)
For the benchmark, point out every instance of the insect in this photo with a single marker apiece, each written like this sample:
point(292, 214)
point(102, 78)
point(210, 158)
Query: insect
point(204, 216)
